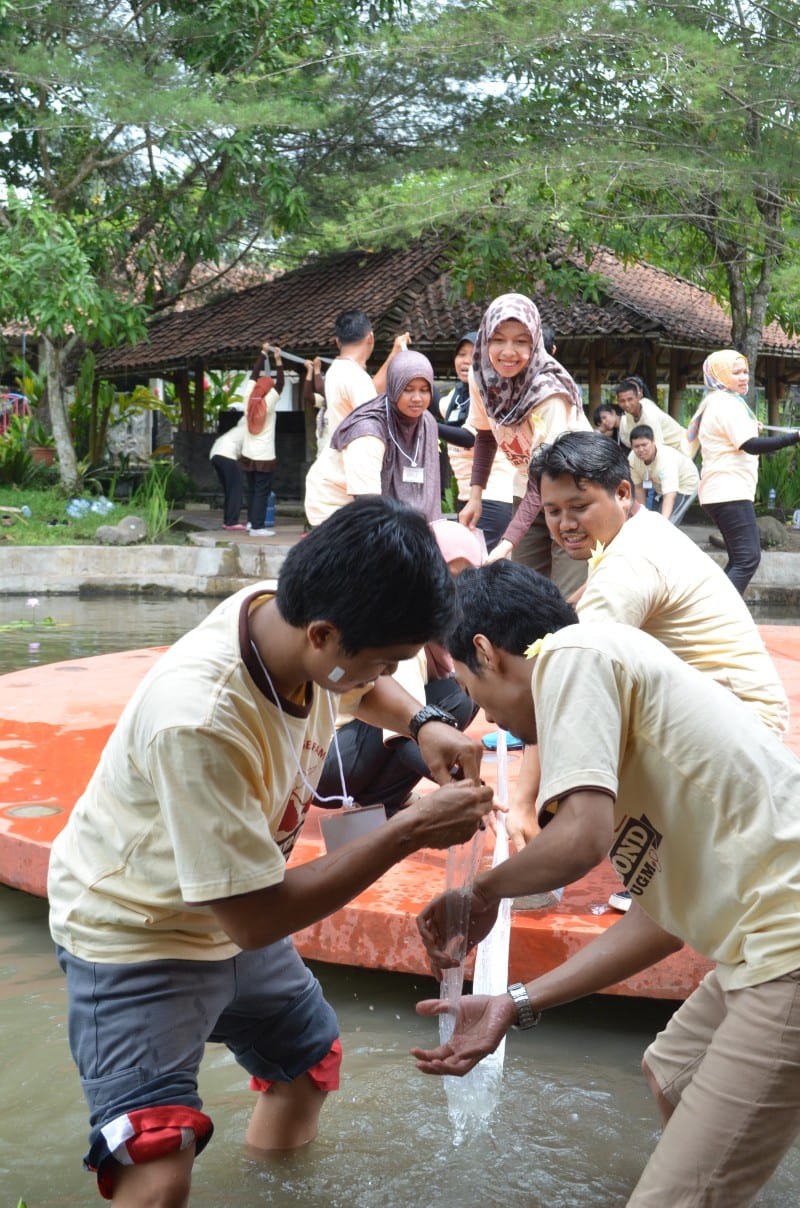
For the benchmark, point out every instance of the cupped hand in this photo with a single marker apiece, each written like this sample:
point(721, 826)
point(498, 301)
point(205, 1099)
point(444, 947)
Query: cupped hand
point(482, 1021)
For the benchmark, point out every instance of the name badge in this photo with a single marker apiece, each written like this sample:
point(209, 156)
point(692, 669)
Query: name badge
point(413, 474)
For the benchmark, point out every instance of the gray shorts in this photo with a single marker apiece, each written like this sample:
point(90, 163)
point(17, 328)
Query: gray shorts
point(137, 1031)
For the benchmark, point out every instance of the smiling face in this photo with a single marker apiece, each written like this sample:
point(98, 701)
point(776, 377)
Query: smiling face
point(629, 402)
point(607, 422)
point(509, 347)
point(414, 398)
point(581, 514)
point(463, 360)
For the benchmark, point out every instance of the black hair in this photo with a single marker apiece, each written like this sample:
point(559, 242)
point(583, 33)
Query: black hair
point(510, 604)
point(601, 410)
point(642, 431)
point(374, 570)
point(629, 383)
point(639, 383)
point(548, 339)
point(585, 456)
point(351, 327)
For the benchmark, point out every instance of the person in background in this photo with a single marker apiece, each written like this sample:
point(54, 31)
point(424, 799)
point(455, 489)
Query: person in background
point(258, 457)
point(520, 398)
point(727, 432)
point(672, 477)
point(606, 419)
point(171, 902)
point(638, 409)
point(549, 340)
point(389, 446)
point(347, 383)
point(648, 762)
point(383, 767)
point(454, 409)
point(314, 393)
point(224, 457)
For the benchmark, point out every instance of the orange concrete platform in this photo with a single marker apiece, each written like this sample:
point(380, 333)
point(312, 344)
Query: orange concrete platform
point(55, 720)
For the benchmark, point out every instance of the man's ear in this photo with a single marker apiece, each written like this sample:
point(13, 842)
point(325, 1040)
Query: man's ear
point(321, 634)
point(488, 654)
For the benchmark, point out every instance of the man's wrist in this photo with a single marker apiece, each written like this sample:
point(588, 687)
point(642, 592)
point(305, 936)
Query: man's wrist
point(429, 713)
point(527, 1015)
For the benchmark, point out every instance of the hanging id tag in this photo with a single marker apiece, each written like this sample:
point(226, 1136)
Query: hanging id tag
point(413, 474)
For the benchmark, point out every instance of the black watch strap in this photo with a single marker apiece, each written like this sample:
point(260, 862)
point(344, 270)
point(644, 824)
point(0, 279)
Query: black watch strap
point(430, 713)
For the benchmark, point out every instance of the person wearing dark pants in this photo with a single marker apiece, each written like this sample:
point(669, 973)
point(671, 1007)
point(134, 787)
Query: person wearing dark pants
point(726, 430)
point(224, 457)
point(385, 773)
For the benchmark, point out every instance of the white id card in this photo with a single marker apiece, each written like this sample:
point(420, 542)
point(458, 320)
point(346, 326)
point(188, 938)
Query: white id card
point(413, 474)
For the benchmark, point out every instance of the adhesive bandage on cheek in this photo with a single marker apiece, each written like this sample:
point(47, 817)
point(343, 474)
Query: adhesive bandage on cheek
point(336, 674)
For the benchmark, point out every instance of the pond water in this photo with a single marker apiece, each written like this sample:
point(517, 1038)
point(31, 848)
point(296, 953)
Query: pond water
point(574, 1123)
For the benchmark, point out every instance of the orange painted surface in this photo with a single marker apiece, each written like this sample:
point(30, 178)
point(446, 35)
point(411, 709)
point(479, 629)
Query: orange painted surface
point(45, 764)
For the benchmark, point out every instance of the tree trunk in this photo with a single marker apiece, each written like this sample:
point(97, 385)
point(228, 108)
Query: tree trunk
point(55, 359)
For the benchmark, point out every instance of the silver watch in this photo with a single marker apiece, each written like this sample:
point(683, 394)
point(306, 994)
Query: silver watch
point(527, 1015)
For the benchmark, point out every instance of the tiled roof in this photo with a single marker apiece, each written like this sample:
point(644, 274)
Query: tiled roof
point(407, 288)
point(296, 310)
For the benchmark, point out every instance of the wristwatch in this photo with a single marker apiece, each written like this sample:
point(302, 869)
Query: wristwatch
point(430, 713)
point(527, 1015)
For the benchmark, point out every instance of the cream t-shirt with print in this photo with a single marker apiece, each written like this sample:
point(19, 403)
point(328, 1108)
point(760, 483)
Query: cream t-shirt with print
point(338, 475)
point(518, 442)
point(654, 577)
point(197, 796)
point(666, 429)
point(668, 471)
point(706, 825)
point(727, 473)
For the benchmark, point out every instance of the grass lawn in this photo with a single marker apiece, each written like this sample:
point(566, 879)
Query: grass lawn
point(49, 524)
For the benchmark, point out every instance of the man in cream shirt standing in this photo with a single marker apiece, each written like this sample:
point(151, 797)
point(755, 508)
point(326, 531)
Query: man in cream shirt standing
point(347, 383)
point(641, 410)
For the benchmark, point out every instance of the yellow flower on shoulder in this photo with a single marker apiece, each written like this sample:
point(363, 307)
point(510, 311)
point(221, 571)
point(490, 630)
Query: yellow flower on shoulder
point(596, 555)
point(534, 648)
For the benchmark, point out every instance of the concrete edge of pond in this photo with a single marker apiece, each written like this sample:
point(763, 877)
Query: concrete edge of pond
point(216, 565)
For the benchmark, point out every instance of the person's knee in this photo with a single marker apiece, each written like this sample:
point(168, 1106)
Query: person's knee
point(664, 1106)
point(164, 1182)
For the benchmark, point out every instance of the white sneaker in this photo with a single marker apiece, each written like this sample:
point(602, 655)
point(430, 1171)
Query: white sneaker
point(262, 532)
point(621, 900)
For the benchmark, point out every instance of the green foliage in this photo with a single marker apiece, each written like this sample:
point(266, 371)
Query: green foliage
point(151, 500)
point(779, 472)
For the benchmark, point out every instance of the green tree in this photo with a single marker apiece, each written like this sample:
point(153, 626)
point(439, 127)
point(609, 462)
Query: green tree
point(142, 140)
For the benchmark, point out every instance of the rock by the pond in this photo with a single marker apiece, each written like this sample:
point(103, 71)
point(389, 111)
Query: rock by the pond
point(771, 532)
point(128, 531)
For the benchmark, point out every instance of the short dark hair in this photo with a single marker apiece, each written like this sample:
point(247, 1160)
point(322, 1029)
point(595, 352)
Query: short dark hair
point(374, 570)
point(642, 432)
point(585, 456)
point(629, 383)
point(510, 604)
point(351, 326)
point(548, 339)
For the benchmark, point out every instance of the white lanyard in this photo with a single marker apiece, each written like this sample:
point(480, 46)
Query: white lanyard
point(345, 799)
point(411, 460)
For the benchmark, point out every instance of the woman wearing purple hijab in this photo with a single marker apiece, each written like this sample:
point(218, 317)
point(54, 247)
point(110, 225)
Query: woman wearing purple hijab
point(385, 447)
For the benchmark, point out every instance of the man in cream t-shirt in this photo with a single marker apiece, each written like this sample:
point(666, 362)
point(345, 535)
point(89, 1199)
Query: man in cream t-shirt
point(644, 572)
point(673, 477)
point(638, 409)
point(695, 803)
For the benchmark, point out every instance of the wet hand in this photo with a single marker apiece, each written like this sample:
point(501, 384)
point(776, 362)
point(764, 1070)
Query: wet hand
point(481, 1023)
point(444, 917)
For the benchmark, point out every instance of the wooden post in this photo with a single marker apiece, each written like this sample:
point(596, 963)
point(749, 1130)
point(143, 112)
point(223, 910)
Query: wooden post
point(674, 401)
point(771, 391)
point(181, 380)
point(595, 378)
point(199, 395)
